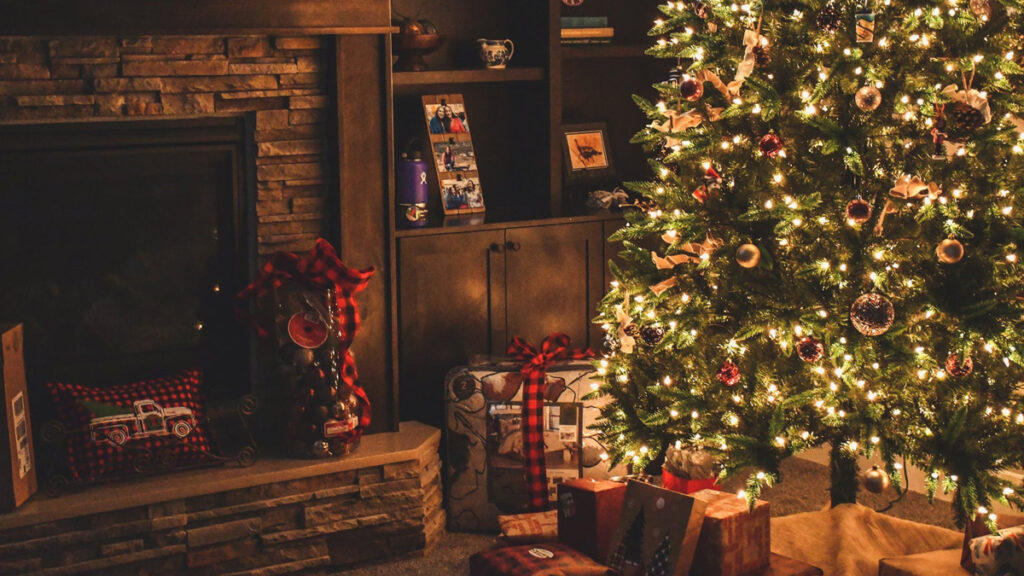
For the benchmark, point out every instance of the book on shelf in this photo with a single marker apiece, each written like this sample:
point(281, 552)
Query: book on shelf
point(570, 33)
point(587, 42)
point(584, 22)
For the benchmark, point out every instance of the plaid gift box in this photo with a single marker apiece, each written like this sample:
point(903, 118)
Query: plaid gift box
point(734, 541)
point(484, 442)
point(534, 560)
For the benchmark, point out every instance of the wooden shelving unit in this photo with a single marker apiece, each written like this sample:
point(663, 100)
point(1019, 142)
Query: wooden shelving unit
point(535, 262)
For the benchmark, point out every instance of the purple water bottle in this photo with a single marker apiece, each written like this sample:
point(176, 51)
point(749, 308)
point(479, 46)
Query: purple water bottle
point(411, 192)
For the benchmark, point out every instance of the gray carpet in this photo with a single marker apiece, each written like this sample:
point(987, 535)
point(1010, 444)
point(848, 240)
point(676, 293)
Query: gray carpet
point(804, 489)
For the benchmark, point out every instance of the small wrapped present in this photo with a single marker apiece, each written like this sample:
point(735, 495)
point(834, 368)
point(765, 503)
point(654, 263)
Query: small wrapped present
point(531, 560)
point(688, 471)
point(734, 541)
point(588, 514)
point(999, 554)
point(529, 528)
point(979, 527)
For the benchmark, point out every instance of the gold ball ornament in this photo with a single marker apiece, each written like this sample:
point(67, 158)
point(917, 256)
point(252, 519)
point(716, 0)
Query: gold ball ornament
point(868, 98)
point(810, 349)
point(950, 251)
point(981, 8)
point(691, 89)
point(748, 256)
point(872, 314)
point(876, 480)
point(858, 211)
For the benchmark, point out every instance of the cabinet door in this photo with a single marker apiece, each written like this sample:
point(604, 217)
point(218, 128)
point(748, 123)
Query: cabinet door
point(449, 285)
point(555, 281)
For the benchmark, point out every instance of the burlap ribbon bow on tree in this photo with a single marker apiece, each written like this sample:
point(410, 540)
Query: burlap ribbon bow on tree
point(535, 371)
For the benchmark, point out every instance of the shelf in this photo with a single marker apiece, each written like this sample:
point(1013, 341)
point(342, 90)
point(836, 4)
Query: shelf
point(427, 77)
point(604, 51)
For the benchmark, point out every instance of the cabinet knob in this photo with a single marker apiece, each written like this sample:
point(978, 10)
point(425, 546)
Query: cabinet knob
point(513, 246)
point(497, 248)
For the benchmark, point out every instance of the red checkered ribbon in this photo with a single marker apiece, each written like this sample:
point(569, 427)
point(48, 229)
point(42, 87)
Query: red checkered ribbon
point(320, 270)
point(535, 370)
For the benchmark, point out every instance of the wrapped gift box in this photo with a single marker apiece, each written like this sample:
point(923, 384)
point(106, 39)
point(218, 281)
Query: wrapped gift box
point(687, 470)
point(734, 541)
point(528, 528)
point(531, 560)
point(999, 554)
point(484, 439)
point(588, 514)
point(658, 532)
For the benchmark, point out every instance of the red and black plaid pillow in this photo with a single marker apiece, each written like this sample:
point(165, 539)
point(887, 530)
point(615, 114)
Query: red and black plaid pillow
point(132, 428)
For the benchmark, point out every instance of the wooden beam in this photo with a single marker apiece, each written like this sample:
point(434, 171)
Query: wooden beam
point(129, 17)
point(364, 145)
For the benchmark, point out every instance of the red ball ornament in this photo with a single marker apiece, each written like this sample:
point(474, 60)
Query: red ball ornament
point(770, 145)
point(728, 374)
point(957, 368)
point(810, 349)
point(691, 89)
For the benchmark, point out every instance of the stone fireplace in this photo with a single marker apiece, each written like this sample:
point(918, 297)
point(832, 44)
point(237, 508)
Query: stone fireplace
point(101, 126)
point(301, 160)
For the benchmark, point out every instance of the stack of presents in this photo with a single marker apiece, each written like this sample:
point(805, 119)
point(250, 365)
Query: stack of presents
point(575, 514)
point(596, 519)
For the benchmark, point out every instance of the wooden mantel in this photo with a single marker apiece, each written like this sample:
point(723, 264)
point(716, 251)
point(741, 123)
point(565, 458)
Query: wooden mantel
point(128, 17)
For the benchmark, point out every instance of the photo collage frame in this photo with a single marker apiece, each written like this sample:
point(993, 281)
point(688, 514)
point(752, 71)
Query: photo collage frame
point(451, 146)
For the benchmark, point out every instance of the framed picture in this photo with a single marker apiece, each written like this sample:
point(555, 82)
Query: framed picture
point(586, 152)
point(451, 145)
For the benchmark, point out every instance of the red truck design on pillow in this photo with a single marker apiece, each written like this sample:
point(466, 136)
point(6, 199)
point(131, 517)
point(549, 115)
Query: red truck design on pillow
point(146, 419)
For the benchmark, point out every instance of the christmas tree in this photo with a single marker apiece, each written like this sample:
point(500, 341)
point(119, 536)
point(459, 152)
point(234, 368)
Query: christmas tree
point(827, 254)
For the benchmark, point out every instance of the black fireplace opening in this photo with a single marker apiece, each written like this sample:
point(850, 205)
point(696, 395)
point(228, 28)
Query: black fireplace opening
point(122, 246)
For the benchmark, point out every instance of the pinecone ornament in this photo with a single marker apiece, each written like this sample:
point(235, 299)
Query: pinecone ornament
point(762, 55)
point(963, 120)
point(829, 17)
point(652, 335)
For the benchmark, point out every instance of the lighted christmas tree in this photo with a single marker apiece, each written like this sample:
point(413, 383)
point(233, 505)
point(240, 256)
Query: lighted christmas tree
point(828, 251)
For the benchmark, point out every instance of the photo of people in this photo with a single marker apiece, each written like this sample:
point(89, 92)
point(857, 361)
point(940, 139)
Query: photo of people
point(462, 193)
point(447, 118)
point(455, 156)
point(587, 150)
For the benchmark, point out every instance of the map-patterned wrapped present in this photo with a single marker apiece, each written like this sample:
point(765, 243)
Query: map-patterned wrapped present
point(484, 441)
point(733, 541)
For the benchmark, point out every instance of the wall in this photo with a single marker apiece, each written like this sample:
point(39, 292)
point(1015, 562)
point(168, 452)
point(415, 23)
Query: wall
point(282, 81)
